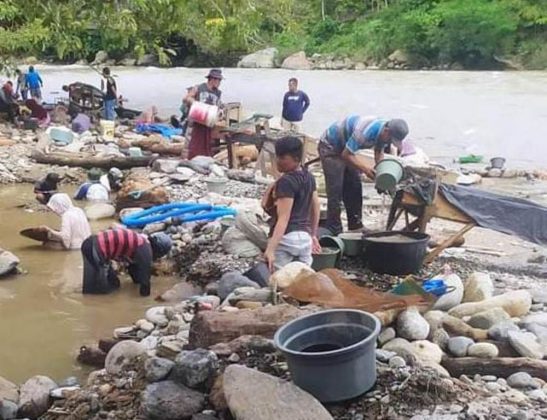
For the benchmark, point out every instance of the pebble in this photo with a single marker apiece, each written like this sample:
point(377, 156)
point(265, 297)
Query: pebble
point(483, 350)
point(234, 358)
point(493, 387)
point(521, 380)
point(384, 355)
point(387, 335)
point(397, 362)
point(489, 378)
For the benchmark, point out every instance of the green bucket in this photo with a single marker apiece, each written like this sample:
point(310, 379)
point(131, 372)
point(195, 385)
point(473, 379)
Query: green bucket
point(388, 174)
point(326, 259)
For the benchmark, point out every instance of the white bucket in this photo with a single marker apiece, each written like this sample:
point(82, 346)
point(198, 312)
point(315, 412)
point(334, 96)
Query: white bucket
point(107, 129)
point(203, 114)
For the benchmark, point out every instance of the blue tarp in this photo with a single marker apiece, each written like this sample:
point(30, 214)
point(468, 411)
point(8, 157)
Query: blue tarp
point(164, 129)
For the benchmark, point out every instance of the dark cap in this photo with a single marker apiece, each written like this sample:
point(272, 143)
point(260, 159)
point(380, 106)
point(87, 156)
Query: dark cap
point(398, 129)
point(161, 244)
point(214, 74)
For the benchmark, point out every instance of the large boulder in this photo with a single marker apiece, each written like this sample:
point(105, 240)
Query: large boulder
point(253, 395)
point(101, 57)
point(516, 303)
point(168, 400)
point(399, 56)
point(479, 286)
point(8, 391)
point(147, 60)
point(297, 61)
point(232, 281)
point(123, 354)
point(452, 298)
point(288, 274)
point(412, 326)
point(195, 368)
point(157, 368)
point(34, 399)
point(263, 59)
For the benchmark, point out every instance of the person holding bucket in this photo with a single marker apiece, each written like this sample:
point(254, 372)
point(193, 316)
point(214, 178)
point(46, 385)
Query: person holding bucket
point(338, 147)
point(201, 134)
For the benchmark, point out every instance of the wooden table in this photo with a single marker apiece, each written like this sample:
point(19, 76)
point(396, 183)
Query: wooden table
point(409, 204)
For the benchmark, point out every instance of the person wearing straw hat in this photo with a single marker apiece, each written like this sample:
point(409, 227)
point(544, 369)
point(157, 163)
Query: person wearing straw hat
point(338, 147)
point(209, 93)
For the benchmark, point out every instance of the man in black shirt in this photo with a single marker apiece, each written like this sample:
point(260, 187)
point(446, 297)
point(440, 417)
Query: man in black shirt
point(110, 95)
point(293, 203)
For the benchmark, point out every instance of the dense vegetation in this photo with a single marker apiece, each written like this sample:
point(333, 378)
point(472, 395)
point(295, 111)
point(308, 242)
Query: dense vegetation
point(470, 32)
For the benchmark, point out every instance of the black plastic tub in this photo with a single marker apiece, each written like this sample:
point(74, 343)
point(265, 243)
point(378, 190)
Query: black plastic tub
point(331, 354)
point(396, 253)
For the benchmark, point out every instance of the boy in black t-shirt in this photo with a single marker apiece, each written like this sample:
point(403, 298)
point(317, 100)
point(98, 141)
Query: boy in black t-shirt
point(293, 203)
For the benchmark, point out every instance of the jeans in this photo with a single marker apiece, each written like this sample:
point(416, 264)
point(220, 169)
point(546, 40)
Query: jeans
point(343, 184)
point(294, 246)
point(109, 113)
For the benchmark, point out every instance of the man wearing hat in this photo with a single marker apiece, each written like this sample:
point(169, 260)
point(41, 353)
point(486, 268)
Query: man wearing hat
point(338, 147)
point(209, 93)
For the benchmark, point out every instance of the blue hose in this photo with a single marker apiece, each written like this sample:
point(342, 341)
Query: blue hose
point(185, 212)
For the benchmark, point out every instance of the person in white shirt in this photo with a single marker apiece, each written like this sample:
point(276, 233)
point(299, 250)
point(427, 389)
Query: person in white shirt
point(74, 225)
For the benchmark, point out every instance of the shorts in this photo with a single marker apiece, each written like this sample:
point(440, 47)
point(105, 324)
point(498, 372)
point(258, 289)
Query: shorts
point(294, 246)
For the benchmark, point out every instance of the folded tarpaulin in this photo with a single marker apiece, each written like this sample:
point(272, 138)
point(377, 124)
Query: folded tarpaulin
point(163, 129)
point(510, 215)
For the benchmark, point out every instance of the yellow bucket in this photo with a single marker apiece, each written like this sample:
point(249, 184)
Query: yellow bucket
point(107, 129)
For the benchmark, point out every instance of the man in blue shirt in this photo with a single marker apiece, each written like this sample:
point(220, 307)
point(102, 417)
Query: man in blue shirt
point(295, 104)
point(338, 146)
point(34, 84)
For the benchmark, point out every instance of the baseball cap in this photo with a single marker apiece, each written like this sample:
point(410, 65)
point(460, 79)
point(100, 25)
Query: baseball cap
point(398, 129)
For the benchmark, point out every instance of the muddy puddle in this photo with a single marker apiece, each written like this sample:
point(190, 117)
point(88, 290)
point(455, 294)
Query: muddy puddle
point(44, 318)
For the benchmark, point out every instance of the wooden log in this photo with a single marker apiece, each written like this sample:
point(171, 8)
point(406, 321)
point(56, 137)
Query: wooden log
point(501, 367)
point(211, 327)
point(456, 326)
point(89, 161)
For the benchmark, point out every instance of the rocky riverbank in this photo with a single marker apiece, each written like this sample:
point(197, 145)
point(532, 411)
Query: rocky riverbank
point(206, 352)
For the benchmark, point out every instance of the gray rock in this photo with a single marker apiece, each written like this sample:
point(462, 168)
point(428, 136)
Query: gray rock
point(157, 316)
point(453, 298)
point(493, 387)
point(483, 350)
point(521, 380)
point(168, 400)
point(231, 281)
point(121, 355)
point(297, 61)
point(486, 319)
point(539, 318)
point(261, 59)
point(539, 296)
point(127, 61)
point(387, 335)
point(537, 395)
point(539, 331)
point(435, 320)
point(458, 346)
point(194, 368)
point(157, 368)
point(489, 378)
point(8, 410)
point(8, 391)
point(412, 326)
point(167, 166)
point(397, 362)
point(147, 60)
point(440, 338)
point(526, 344)
point(8, 262)
point(100, 57)
point(500, 330)
point(384, 355)
point(479, 286)
point(181, 291)
point(272, 398)
point(34, 398)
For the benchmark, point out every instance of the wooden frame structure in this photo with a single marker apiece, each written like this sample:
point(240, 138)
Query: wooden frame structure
point(410, 205)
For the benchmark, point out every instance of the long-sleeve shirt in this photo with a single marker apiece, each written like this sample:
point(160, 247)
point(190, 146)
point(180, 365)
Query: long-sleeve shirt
point(295, 105)
point(74, 228)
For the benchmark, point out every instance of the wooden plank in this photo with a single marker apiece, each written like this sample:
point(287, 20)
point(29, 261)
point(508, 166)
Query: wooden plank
point(445, 244)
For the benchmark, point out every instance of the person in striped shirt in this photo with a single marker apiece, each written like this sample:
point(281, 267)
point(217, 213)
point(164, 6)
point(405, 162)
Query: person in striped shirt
point(122, 245)
point(338, 147)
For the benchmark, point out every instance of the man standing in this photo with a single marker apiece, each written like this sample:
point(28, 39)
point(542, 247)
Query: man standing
point(110, 95)
point(338, 146)
point(295, 104)
point(21, 85)
point(209, 93)
point(34, 84)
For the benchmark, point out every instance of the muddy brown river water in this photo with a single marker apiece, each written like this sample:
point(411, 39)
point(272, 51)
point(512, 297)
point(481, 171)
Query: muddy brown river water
point(44, 318)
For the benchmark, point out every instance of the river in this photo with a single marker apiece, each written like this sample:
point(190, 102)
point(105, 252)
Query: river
point(449, 113)
point(44, 317)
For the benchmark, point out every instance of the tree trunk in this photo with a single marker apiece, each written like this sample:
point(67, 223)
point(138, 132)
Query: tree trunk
point(89, 161)
point(501, 367)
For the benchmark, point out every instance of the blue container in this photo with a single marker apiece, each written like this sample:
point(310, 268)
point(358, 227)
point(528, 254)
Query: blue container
point(436, 287)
